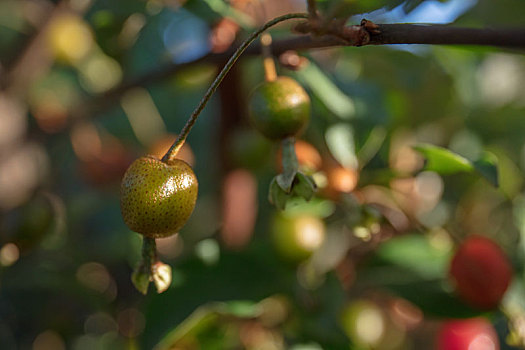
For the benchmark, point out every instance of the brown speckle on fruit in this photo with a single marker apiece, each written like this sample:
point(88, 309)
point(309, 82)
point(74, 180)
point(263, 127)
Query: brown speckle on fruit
point(158, 198)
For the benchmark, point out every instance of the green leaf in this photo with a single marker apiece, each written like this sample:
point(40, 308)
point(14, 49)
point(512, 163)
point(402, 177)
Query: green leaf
point(487, 166)
point(442, 160)
point(206, 317)
point(340, 141)
point(415, 252)
point(332, 97)
point(416, 268)
point(241, 309)
point(317, 207)
point(446, 162)
point(223, 9)
point(373, 143)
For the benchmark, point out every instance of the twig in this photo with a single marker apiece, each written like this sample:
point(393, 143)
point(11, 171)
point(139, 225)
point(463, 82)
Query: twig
point(446, 35)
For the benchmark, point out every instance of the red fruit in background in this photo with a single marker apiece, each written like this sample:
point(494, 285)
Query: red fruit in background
point(481, 271)
point(467, 334)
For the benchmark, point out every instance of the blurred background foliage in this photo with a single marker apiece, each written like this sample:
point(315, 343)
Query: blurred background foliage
point(86, 86)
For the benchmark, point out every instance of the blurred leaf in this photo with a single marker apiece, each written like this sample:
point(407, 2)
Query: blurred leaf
point(417, 269)
point(206, 317)
point(485, 13)
point(431, 295)
point(415, 252)
point(487, 167)
point(241, 309)
point(317, 207)
point(330, 95)
point(446, 162)
point(311, 346)
point(371, 146)
point(443, 161)
point(202, 318)
point(225, 10)
point(340, 140)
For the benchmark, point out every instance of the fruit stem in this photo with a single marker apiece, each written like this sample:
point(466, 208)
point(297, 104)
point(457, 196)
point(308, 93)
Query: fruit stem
point(289, 164)
point(149, 252)
point(150, 269)
point(172, 152)
point(270, 73)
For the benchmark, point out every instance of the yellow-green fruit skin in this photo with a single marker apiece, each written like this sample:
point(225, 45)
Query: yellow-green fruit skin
point(157, 198)
point(279, 108)
point(295, 238)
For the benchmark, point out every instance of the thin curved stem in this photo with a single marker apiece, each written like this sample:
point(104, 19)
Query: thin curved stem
point(172, 152)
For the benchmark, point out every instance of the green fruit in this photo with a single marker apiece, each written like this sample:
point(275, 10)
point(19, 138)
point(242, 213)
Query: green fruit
point(279, 108)
point(296, 237)
point(157, 198)
point(370, 328)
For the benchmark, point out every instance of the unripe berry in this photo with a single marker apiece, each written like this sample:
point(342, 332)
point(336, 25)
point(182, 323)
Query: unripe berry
point(157, 198)
point(279, 108)
point(297, 237)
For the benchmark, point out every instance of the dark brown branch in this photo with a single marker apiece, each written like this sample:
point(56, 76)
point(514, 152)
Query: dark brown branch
point(446, 35)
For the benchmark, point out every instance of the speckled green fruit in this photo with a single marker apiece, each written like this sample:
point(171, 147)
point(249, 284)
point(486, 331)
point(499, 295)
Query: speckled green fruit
point(279, 108)
point(157, 198)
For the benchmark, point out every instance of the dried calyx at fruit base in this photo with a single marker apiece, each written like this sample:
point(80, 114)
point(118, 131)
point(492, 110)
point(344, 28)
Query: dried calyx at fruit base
point(279, 109)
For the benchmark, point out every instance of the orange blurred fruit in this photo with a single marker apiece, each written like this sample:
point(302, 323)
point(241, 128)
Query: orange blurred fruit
point(339, 180)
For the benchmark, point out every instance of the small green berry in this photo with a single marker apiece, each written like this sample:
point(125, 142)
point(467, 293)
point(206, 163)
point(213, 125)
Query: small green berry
point(279, 108)
point(296, 237)
point(157, 198)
